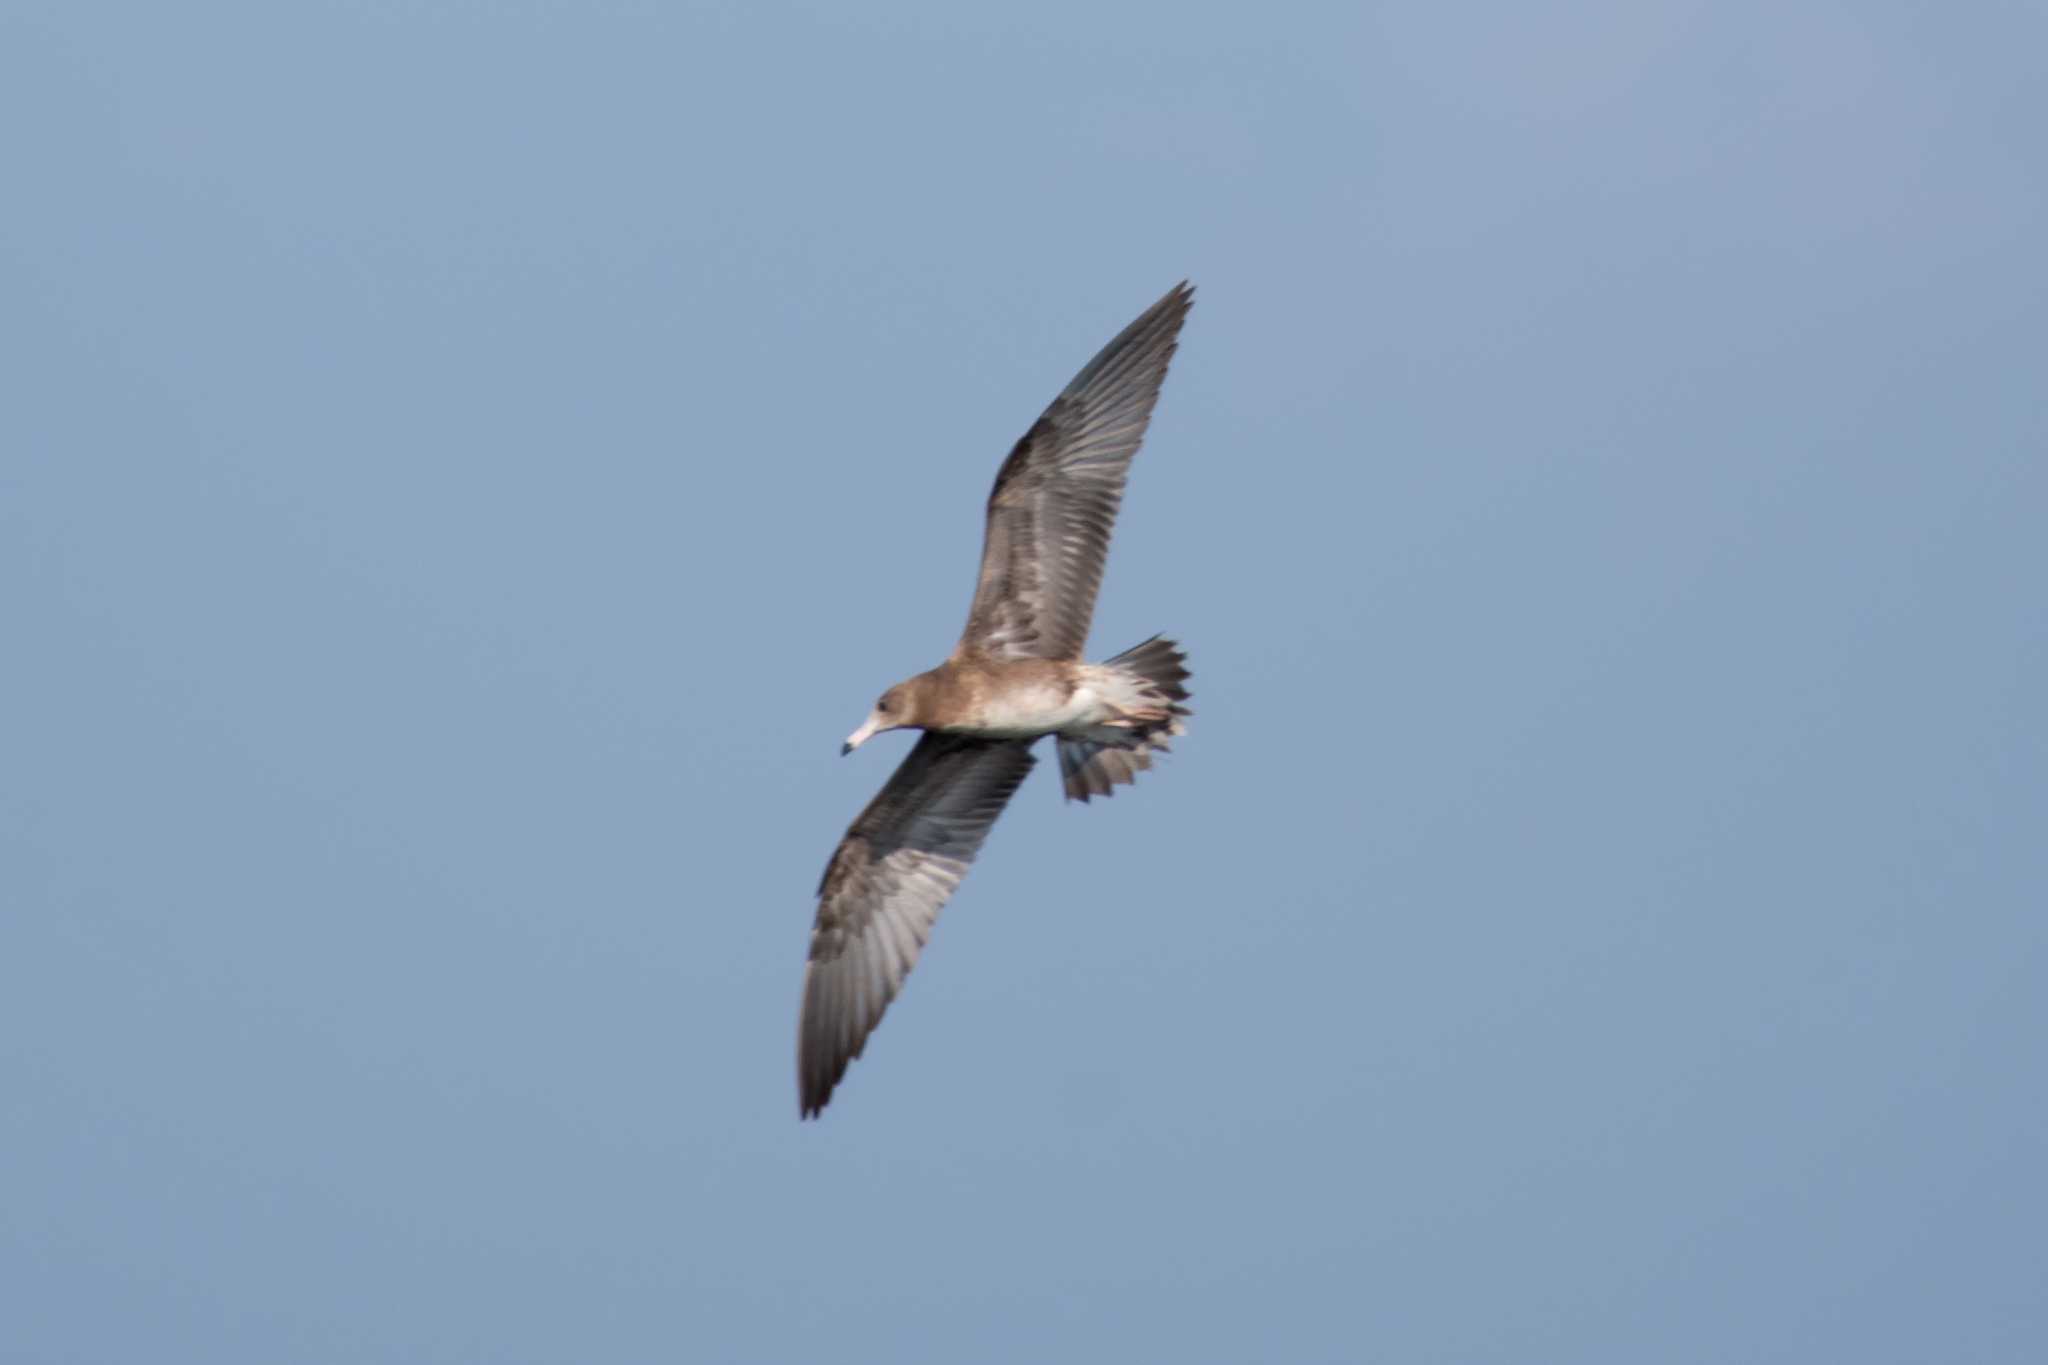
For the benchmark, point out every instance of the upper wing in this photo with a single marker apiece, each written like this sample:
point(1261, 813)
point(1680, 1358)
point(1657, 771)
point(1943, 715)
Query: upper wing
point(897, 865)
point(1056, 497)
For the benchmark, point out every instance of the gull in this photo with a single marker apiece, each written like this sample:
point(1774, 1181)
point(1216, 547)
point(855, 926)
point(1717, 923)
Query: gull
point(1016, 676)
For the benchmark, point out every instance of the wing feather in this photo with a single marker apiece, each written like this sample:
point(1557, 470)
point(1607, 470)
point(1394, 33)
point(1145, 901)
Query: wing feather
point(1056, 497)
point(884, 887)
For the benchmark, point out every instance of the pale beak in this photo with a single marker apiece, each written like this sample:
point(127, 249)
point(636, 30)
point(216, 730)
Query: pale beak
point(859, 737)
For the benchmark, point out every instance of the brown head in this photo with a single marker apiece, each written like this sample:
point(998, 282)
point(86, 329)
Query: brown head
point(901, 706)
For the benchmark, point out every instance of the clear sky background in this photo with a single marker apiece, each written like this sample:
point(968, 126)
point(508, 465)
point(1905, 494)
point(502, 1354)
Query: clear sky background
point(464, 468)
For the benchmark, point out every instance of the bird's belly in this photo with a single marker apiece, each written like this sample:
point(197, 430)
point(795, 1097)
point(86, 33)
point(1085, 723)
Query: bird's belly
point(1037, 711)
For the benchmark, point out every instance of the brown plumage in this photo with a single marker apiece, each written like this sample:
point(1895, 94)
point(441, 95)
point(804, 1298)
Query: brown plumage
point(1016, 676)
point(1056, 497)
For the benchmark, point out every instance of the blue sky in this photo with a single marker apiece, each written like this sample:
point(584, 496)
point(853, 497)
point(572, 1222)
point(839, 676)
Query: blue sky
point(466, 467)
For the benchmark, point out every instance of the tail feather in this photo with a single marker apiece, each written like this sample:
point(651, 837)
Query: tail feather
point(1094, 764)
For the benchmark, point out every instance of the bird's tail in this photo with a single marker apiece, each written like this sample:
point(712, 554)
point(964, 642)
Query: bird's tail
point(1155, 674)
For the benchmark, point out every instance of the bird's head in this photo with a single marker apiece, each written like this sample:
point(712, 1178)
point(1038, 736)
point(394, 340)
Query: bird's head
point(895, 709)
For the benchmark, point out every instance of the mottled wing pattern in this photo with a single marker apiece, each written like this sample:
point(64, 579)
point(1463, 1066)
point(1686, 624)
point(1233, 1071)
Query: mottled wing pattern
point(884, 887)
point(1055, 500)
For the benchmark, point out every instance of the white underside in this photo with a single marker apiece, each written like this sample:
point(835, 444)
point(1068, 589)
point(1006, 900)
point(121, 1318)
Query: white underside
point(1104, 697)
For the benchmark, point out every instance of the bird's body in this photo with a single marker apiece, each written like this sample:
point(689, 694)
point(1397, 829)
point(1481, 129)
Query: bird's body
point(1018, 698)
point(1015, 677)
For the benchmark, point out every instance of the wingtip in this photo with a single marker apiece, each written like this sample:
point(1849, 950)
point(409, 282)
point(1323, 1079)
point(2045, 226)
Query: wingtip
point(813, 1093)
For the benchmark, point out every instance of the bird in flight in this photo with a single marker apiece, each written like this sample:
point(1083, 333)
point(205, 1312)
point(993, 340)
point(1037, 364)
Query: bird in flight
point(1015, 677)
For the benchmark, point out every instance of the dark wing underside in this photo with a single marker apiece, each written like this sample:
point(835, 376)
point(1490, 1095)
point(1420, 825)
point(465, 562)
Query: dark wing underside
point(883, 889)
point(1055, 500)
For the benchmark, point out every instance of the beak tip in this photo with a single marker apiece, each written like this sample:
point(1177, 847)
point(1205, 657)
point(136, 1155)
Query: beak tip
point(846, 748)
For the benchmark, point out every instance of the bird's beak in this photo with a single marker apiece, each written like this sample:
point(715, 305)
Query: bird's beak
point(859, 737)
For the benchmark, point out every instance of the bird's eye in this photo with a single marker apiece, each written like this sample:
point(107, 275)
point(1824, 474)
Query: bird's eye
point(883, 706)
